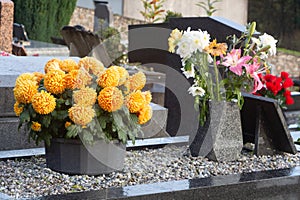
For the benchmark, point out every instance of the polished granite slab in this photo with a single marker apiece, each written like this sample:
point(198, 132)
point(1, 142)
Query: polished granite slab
point(264, 185)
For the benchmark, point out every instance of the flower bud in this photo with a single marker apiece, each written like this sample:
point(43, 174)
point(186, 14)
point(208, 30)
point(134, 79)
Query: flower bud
point(252, 28)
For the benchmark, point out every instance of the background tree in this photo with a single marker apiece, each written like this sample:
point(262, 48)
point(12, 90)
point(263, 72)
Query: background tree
point(43, 18)
point(280, 18)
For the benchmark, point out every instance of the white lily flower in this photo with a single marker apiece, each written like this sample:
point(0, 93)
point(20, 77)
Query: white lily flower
point(196, 91)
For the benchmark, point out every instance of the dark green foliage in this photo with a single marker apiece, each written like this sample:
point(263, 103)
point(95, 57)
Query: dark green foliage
point(43, 18)
point(281, 18)
point(111, 40)
point(171, 14)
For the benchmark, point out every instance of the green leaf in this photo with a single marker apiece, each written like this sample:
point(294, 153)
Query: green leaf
point(102, 122)
point(72, 131)
point(87, 136)
point(122, 135)
point(24, 116)
point(46, 120)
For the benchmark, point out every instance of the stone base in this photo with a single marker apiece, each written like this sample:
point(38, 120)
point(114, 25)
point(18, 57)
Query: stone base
point(11, 138)
point(221, 138)
point(157, 125)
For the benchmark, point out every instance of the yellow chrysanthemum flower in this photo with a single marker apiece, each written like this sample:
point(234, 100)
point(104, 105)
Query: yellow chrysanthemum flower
point(110, 99)
point(145, 114)
point(25, 90)
point(39, 76)
point(137, 81)
point(92, 65)
point(148, 96)
point(83, 79)
point(124, 75)
point(18, 108)
point(135, 101)
point(68, 65)
point(85, 96)
point(109, 78)
point(36, 126)
point(216, 49)
point(43, 102)
point(52, 64)
point(174, 38)
point(67, 124)
point(25, 76)
point(54, 81)
point(81, 115)
point(71, 79)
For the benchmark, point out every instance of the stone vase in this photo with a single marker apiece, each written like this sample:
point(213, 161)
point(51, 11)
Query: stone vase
point(220, 139)
point(71, 156)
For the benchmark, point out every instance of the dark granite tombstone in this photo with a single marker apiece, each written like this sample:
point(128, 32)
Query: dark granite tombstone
point(102, 12)
point(148, 44)
point(79, 41)
point(264, 125)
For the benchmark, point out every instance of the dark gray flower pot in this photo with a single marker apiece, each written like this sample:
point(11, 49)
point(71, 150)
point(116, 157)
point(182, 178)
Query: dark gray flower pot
point(71, 156)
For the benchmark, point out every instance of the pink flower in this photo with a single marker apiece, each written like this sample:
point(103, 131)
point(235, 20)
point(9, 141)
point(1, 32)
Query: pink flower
point(252, 70)
point(235, 62)
point(3, 53)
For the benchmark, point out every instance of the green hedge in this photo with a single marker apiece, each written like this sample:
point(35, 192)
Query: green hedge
point(43, 18)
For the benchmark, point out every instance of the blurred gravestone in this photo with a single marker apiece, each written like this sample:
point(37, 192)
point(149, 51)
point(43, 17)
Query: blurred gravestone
point(6, 25)
point(148, 44)
point(102, 12)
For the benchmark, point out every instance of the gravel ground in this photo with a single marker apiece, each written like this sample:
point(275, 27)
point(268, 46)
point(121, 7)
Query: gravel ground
point(30, 177)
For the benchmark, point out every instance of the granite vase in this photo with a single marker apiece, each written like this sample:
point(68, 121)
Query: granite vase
point(71, 156)
point(220, 138)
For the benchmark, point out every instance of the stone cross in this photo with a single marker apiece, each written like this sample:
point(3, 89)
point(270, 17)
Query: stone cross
point(6, 25)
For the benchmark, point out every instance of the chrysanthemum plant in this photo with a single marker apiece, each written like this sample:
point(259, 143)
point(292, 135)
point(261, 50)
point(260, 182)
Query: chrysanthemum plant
point(222, 71)
point(83, 99)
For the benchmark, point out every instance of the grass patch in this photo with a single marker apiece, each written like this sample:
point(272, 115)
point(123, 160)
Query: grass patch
point(288, 51)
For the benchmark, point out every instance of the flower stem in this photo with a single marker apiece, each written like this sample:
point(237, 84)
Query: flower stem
point(218, 95)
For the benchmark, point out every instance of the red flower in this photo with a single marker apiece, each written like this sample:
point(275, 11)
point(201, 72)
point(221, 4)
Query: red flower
point(287, 93)
point(289, 100)
point(288, 82)
point(284, 75)
point(273, 83)
point(270, 78)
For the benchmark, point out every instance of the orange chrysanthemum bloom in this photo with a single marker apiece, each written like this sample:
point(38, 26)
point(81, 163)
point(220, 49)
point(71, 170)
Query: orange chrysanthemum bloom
point(36, 126)
point(43, 103)
point(81, 115)
point(25, 76)
point(145, 114)
point(92, 65)
point(148, 96)
point(124, 75)
point(85, 96)
point(39, 76)
point(68, 65)
point(137, 81)
point(135, 101)
point(25, 90)
point(67, 124)
point(109, 78)
point(54, 81)
point(71, 79)
point(18, 108)
point(110, 99)
point(216, 49)
point(52, 64)
point(83, 79)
